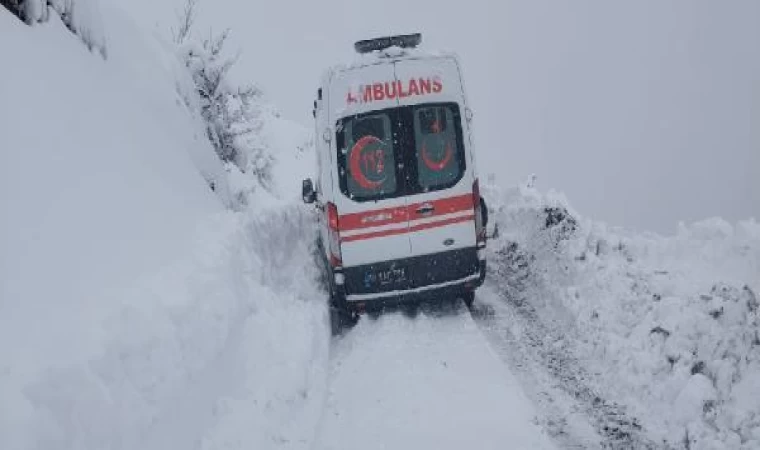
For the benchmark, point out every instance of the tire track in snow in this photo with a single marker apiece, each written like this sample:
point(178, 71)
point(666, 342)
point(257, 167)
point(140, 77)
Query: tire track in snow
point(559, 385)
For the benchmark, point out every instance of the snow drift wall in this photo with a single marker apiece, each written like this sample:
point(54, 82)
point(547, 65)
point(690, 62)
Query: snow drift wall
point(136, 311)
point(670, 324)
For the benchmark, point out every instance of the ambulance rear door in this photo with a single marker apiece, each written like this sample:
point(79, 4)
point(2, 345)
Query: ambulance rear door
point(368, 176)
point(440, 204)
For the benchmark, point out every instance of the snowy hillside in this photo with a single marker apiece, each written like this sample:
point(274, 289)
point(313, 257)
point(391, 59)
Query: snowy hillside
point(130, 298)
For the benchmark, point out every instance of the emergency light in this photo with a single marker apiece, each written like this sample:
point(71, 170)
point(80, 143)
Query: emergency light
point(381, 43)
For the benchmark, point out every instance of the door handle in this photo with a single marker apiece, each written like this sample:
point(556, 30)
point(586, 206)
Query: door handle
point(425, 209)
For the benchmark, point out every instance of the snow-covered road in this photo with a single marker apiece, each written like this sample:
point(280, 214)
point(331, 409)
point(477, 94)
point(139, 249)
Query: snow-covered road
point(427, 382)
point(137, 311)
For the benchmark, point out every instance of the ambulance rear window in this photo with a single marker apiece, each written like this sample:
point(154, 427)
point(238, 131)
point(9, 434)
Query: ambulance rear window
point(368, 166)
point(438, 153)
point(400, 151)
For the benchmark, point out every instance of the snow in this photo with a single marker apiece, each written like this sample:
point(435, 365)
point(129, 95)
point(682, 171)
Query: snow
point(135, 310)
point(669, 325)
point(428, 382)
point(81, 16)
point(139, 309)
point(74, 174)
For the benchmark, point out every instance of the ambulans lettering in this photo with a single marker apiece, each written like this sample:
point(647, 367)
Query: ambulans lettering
point(413, 87)
point(390, 90)
point(425, 86)
point(437, 85)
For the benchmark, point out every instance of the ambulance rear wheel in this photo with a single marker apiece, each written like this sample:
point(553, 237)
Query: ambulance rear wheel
point(337, 321)
point(341, 317)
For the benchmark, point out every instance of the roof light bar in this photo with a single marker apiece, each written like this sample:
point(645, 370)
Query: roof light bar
point(381, 43)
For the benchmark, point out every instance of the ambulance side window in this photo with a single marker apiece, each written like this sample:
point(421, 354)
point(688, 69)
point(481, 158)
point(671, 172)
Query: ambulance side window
point(439, 151)
point(366, 157)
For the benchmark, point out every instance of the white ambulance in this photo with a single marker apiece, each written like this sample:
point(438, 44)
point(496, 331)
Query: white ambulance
point(401, 217)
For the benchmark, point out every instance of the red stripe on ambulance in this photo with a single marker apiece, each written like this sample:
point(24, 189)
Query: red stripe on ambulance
point(412, 229)
point(444, 206)
point(403, 214)
point(374, 218)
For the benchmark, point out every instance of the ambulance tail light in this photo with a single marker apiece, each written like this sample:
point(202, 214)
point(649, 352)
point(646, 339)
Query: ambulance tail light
point(333, 235)
point(480, 229)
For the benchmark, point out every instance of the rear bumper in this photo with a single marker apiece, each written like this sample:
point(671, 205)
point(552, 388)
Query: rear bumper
point(455, 271)
point(470, 281)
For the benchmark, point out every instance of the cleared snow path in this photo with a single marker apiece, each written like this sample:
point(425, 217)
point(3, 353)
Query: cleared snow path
point(430, 382)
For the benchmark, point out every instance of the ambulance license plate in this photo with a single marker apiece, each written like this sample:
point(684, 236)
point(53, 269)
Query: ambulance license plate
point(386, 277)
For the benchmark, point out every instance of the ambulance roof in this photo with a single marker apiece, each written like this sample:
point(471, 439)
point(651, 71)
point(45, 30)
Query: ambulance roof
point(385, 56)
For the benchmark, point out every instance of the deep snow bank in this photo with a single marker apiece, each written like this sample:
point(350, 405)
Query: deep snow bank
point(669, 324)
point(82, 17)
point(135, 310)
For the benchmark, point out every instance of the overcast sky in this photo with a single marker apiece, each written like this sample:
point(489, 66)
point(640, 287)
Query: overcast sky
point(644, 113)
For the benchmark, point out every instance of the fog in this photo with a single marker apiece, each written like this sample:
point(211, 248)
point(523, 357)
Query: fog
point(643, 113)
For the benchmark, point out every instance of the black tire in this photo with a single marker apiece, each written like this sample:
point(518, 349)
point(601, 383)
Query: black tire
point(340, 316)
point(469, 299)
point(320, 261)
point(484, 211)
point(337, 321)
point(341, 319)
